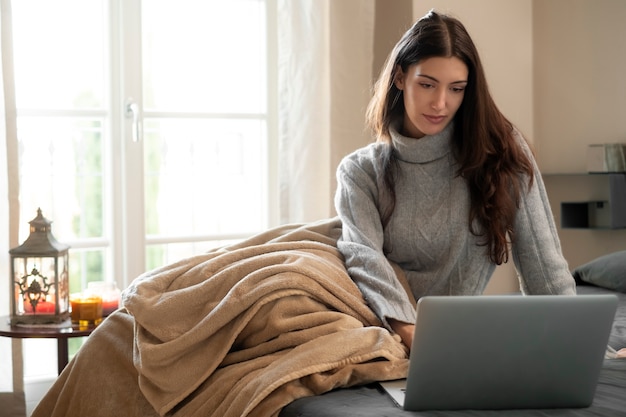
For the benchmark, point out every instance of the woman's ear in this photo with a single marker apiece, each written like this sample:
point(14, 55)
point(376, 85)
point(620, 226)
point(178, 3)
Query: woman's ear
point(398, 78)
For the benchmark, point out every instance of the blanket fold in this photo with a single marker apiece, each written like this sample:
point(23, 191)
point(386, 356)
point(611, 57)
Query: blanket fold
point(245, 329)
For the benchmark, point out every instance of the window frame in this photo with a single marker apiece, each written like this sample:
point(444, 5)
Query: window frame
point(125, 240)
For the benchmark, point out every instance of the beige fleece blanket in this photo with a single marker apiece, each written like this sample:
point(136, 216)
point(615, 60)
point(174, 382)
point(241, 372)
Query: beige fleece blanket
point(239, 331)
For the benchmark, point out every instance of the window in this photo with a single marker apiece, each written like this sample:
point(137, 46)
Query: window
point(142, 128)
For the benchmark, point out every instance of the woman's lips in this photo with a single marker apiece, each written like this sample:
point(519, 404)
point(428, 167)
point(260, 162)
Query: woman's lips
point(435, 119)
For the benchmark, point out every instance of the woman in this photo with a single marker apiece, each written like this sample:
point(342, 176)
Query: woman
point(448, 190)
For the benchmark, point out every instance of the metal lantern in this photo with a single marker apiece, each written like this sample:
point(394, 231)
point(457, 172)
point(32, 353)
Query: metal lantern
point(40, 283)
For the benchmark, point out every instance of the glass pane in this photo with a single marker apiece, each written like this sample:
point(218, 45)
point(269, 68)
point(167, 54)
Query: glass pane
point(60, 52)
point(212, 57)
point(204, 176)
point(87, 266)
point(44, 274)
point(62, 172)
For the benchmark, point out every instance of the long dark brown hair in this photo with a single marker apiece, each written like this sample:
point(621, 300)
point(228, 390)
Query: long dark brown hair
point(484, 145)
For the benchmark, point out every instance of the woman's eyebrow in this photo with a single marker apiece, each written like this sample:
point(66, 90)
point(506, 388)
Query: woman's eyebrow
point(436, 80)
point(428, 76)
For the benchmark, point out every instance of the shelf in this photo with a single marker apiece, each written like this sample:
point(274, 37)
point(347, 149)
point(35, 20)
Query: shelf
point(598, 214)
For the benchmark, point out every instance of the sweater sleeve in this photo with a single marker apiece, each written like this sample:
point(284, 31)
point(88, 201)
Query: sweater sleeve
point(537, 250)
point(362, 239)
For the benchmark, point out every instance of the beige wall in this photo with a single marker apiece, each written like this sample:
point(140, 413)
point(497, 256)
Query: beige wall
point(579, 99)
point(391, 23)
point(580, 79)
point(581, 245)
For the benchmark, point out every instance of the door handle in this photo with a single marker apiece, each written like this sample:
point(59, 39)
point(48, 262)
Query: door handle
point(132, 112)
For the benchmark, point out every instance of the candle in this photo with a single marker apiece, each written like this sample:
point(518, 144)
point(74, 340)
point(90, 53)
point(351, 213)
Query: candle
point(109, 306)
point(110, 295)
point(86, 309)
point(43, 307)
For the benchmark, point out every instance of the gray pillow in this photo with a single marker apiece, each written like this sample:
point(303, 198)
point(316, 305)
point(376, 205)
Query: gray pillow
point(608, 271)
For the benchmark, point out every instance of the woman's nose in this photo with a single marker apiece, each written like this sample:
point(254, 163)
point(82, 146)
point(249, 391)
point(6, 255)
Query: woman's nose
point(439, 100)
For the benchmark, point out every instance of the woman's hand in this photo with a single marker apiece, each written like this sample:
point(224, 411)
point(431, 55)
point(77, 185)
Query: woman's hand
point(620, 353)
point(406, 331)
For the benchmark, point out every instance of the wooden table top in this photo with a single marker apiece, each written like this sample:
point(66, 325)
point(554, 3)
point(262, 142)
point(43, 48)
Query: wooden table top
point(63, 330)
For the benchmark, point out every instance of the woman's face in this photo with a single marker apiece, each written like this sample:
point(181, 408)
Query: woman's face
point(433, 90)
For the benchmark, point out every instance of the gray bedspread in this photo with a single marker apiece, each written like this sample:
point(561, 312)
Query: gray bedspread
point(618, 332)
point(371, 401)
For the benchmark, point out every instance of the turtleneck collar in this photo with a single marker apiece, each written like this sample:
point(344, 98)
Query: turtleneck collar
point(423, 150)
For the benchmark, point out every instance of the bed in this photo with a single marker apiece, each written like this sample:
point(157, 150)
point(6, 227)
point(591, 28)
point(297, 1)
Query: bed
point(371, 400)
point(270, 326)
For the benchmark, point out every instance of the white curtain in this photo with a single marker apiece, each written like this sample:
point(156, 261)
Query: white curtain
point(325, 53)
point(11, 368)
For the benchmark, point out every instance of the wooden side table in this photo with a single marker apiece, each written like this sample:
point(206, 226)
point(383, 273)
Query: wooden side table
point(59, 332)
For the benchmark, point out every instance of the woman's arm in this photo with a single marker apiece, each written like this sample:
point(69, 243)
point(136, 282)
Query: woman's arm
point(536, 246)
point(362, 239)
point(406, 332)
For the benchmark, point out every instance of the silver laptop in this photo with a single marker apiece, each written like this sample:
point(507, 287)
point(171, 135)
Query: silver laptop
point(506, 352)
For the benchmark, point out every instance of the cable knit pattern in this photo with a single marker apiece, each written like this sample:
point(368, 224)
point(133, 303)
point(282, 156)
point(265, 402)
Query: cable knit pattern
point(428, 233)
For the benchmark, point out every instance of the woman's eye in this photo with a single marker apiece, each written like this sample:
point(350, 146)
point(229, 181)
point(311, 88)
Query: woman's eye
point(426, 85)
point(458, 89)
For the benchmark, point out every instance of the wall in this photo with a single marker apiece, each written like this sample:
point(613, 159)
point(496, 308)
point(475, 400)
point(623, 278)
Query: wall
point(580, 99)
point(580, 87)
point(580, 245)
point(390, 25)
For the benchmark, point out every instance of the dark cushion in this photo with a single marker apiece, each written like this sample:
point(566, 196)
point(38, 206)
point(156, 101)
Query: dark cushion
point(608, 271)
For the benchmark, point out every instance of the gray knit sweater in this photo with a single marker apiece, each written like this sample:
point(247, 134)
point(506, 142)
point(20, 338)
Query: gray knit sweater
point(428, 233)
